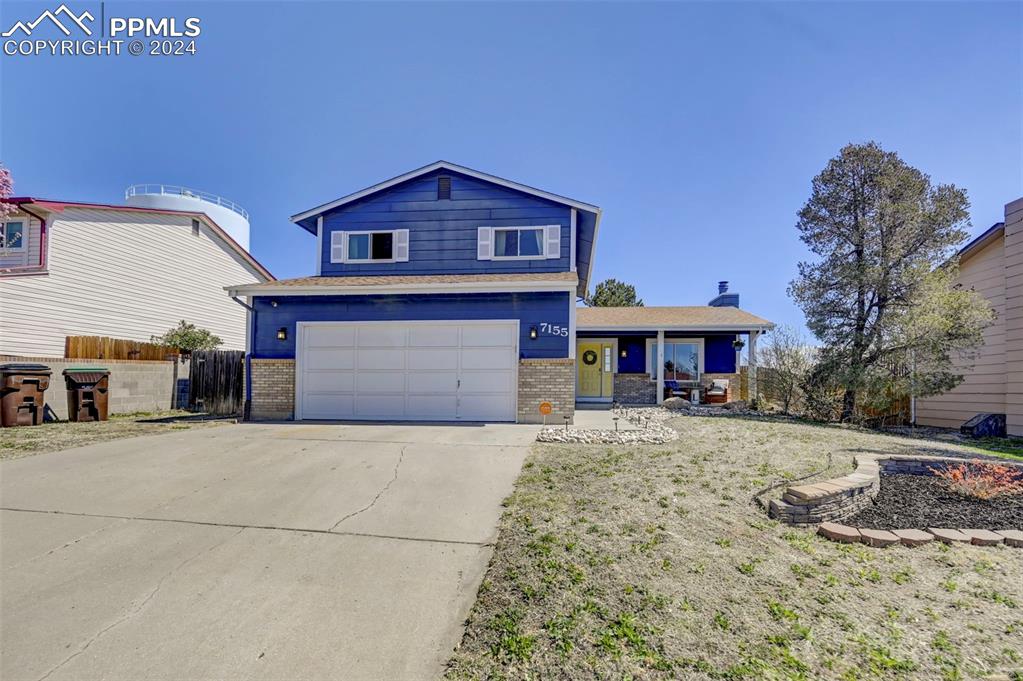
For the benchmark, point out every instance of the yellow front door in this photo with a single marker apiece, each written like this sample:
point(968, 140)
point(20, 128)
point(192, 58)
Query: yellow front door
point(595, 369)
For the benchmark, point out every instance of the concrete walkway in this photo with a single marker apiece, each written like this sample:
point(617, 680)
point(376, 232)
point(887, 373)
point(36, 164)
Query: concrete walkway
point(289, 551)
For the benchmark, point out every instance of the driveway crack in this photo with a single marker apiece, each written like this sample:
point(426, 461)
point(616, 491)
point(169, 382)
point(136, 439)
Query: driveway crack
point(371, 504)
point(138, 608)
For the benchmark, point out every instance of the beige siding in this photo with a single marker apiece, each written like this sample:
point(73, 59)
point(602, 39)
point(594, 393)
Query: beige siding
point(28, 256)
point(983, 389)
point(1014, 317)
point(126, 275)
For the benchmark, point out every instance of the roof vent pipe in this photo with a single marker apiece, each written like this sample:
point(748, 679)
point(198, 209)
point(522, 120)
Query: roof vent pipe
point(722, 287)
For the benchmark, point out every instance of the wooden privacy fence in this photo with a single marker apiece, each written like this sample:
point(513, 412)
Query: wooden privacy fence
point(101, 347)
point(216, 382)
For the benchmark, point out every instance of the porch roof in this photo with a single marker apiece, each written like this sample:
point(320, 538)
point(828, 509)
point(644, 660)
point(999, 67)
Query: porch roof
point(690, 318)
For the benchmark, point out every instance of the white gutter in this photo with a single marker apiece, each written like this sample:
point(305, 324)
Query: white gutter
point(685, 327)
point(461, 287)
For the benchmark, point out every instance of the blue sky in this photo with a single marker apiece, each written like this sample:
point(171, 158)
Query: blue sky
point(696, 126)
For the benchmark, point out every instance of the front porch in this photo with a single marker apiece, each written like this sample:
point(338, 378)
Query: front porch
point(641, 356)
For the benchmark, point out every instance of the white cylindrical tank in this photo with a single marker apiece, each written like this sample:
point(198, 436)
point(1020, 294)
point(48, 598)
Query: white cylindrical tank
point(231, 217)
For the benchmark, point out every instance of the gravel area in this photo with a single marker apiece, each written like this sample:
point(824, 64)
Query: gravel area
point(922, 501)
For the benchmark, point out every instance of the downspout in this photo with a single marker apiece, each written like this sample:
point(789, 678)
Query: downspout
point(250, 322)
point(42, 236)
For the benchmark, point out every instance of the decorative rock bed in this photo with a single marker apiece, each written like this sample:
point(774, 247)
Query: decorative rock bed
point(824, 503)
point(653, 434)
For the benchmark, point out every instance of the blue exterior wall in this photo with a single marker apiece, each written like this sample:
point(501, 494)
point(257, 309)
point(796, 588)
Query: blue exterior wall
point(531, 309)
point(719, 355)
point(443, 233)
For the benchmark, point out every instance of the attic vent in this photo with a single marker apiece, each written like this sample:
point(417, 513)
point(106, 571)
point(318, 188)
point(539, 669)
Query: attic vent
point(195, 227)
point(443, 187)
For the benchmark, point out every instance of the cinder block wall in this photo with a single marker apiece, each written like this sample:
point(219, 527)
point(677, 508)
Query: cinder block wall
point(135, 385)
point(273, 389)
point(546, 380)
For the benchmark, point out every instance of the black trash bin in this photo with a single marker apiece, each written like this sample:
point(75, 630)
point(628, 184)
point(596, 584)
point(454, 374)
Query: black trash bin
point(87, 393)
point(21, 393)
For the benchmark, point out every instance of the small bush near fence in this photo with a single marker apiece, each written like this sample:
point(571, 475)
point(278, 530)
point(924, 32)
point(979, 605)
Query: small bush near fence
point(101, 347)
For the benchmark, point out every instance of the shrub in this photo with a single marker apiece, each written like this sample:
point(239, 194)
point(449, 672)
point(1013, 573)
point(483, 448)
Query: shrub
point(982, 480)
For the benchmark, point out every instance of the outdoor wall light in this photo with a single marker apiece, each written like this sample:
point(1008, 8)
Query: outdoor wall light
point(533, 333)
point(273, 303)
point(282, 333)
point(624, 353)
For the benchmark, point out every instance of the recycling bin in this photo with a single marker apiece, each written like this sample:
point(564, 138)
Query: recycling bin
point(87, 393)
point(21, 393)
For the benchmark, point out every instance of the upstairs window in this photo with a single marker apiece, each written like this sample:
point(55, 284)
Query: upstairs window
point(369, 247)
point(518, 243)
point(12, 235)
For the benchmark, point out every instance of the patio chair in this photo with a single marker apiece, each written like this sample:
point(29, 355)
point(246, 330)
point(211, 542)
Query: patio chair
point(718, 391)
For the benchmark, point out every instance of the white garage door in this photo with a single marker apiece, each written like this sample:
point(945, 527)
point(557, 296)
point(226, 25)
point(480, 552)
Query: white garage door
point(417, 371)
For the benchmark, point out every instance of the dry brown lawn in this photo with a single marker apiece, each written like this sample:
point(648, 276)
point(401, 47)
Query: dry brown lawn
point(651, 561)
point(50, 437)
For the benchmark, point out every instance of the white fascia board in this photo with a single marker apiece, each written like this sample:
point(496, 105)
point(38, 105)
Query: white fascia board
point(339, 290)
point(319, 245)
point(444, 165)
point(729, 328)
point(593, 249)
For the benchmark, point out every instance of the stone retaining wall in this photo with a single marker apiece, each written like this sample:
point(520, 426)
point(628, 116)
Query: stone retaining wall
point(841, 498)
point(546, 380)
point(273, 390)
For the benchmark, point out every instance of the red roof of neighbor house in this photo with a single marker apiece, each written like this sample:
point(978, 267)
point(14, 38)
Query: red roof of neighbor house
point(697, 317)
point(57, 206)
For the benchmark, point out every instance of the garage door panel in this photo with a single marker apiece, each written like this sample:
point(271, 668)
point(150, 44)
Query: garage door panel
point(428, 335)
point(489, 335)
point(487, 408)
point(432, 407)
point(488, 382)
point(328, 406)
point(328, 358)
point(328, 381)
point(487, 358)
point(330, 336)
point(381, 406)
point(435, 382)
point(426, 360)
point(380, 382)
point(383, 336)
point(381, 359)
point(395, 371)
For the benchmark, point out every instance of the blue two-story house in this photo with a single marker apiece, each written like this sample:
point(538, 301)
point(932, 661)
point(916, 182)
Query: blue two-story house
point(447, 294)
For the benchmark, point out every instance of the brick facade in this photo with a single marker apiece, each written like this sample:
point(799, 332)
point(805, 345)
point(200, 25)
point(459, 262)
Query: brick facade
point(546, 380)
point(273, 389)
point(635, 389)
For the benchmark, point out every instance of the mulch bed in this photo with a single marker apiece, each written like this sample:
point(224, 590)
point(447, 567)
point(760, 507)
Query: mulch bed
point(922, 501)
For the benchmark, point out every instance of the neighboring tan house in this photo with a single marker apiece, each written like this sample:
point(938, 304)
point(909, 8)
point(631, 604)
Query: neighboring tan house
point(83, 269)
point(447, 294)
point(992, 265)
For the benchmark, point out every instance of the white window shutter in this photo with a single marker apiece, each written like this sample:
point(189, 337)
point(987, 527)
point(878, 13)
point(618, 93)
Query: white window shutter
point(553, 247)
point(337, 246)
point(401, 245)
point(485, 243)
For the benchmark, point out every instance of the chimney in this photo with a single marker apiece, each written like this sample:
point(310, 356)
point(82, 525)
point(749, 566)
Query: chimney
point(724, 298)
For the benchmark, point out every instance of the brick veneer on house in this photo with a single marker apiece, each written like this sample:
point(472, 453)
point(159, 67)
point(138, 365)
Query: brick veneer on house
point(635, 389)
point(546, 380)
point(273, 389)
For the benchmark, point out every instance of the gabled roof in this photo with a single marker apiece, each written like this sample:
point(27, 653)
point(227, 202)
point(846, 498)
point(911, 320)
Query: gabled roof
point(693, 318)
point(990, 234)
point(410, 284)
point(443, 165)
point(52, 206)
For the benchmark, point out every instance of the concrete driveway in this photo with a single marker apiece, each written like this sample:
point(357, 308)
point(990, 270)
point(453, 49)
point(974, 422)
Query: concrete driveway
point(254, 551)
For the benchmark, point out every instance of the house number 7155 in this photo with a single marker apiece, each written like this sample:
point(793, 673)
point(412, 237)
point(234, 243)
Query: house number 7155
point(553, 329)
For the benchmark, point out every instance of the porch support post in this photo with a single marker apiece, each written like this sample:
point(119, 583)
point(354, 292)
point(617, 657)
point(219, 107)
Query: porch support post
point(753, 365)
point(660, 366)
